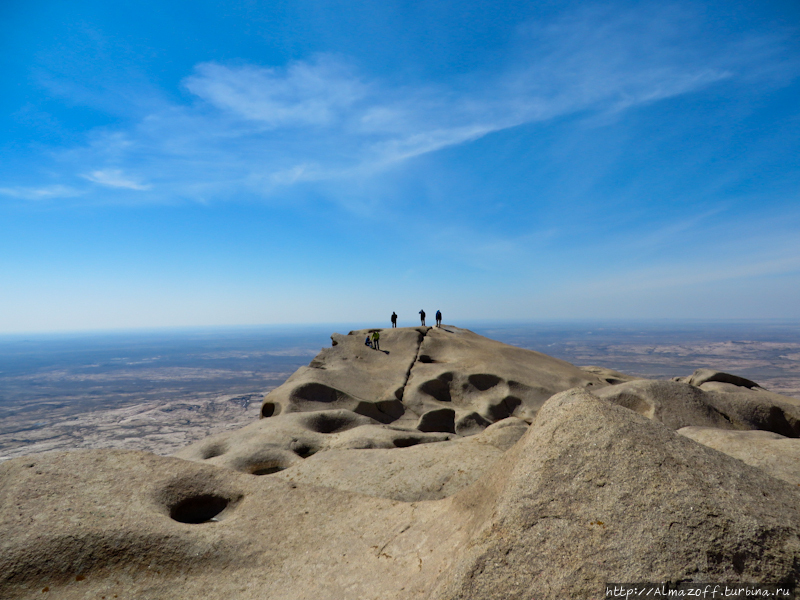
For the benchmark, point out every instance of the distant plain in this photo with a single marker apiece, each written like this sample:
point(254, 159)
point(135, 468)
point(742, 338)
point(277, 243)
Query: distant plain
point(161, 390)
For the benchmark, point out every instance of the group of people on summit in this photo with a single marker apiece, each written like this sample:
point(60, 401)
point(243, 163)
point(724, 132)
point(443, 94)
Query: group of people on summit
point(373, 341)
point(421, 318)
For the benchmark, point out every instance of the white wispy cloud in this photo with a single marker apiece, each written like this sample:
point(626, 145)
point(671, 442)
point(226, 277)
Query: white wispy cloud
point(257, 129)
point(40, 193)
point(115, 178)
point(320, 92)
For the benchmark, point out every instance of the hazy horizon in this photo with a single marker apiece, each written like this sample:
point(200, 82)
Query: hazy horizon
point(167, 332)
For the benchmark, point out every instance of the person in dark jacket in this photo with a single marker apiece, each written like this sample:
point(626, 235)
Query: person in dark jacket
point(422, 317)
point(438, 318)
point(394, 319)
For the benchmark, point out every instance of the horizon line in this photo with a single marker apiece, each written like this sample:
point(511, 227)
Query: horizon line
point(353, 325)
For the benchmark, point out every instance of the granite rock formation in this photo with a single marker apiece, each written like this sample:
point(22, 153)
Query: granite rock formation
point(443, 379)
point(445, 466)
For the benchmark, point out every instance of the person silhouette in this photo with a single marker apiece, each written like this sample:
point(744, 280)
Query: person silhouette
point(422, 317)
point(394, 319)
point(438, 318)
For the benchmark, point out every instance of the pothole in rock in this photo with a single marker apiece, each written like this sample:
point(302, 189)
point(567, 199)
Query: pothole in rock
point(315, 392)
point(213, 450)
point(203, 508)
point(269, 409)
point(265, 466)
point(303, 451)
point(439, 389)
point(322, 422)
point(484, 381)
point(266, 470)
point(405, 442)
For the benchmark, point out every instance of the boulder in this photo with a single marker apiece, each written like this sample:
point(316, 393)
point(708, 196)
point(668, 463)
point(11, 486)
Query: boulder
point(677, 404)
point(595, 493)
point(701, 376)
point(775, 454)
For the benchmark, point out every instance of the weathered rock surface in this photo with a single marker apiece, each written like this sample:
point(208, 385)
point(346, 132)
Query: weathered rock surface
point(328, 381)
point(595, 493)
point(777, 455)
point(424, 472)
point(414, 474)
point(482, 381)
point(591, 493)
point(443, 379)
point(610, 376)
point(701, 376)
point(276, 443)
point(677, 404)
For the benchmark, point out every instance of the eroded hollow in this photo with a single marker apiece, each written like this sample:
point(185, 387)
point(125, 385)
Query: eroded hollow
point(503, 409)
point(438, 389)
point(484, 381)
point(424, 358)
point(213, 450)
point(405, 442)
point(329, 423)
point(315, 392)
point(438, 420)
point(269, 409)
point(198, 509)
point(303, 451)
point(266, 469)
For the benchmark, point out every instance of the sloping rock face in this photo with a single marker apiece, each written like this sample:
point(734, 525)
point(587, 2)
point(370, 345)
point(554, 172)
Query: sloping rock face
point(328, 382)
point(591, 493)
point(775, 454)
point(424, 472)
point(677, 404)
point(595, 493)
point(279, 442)
point(442, 379)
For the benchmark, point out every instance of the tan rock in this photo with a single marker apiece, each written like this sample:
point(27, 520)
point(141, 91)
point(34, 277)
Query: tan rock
point(274, 444)
point(701, 376)
point(482, 381)
point(422, 472)
point(595, 493)
point(591, 493)
point(610, 376)
point(329, 382)
point(779, 456)
point(677, 404)
point(442, 379)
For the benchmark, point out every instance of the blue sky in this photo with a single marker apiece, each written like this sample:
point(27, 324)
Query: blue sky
point(227, 163)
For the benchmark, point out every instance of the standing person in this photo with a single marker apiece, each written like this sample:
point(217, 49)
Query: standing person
point(438, 318)
point(394, 319)
point(422, 317)
point(376, 340)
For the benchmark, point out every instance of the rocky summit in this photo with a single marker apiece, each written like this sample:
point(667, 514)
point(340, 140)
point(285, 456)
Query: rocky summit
point(443, 466)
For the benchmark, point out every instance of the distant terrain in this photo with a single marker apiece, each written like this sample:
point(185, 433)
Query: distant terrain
point(767, 352)
point(154, 391)
point(161, 391)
